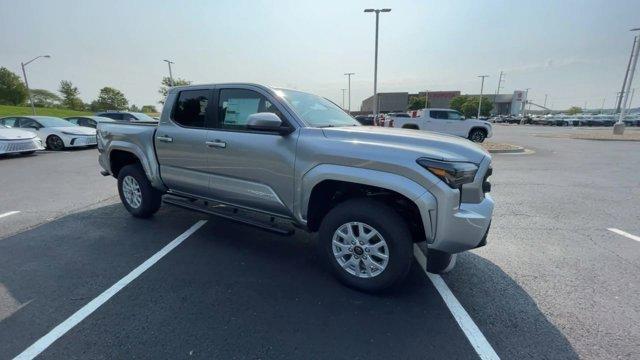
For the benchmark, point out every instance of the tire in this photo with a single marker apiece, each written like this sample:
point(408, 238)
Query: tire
point(392, 239)
point(55, 143)
point(477, 135)
point(411, 127)
point(142, 200)
point(439, 262)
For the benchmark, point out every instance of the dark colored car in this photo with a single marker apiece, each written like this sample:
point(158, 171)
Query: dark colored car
point(365, 119)
point(88, 121)
point(126, 116)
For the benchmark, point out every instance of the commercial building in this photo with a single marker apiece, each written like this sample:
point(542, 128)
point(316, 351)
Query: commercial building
point(387, 102)
point(504, 104)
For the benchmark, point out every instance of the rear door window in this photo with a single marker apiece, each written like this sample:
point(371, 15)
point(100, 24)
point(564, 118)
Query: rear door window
point(438, 114)
point(190, 108)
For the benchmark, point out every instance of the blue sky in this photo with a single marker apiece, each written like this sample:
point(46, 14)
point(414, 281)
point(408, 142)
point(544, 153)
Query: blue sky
point(575, 51)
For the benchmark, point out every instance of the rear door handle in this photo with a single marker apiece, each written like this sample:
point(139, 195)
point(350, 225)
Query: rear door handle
point(216, 143)
point(164, 138)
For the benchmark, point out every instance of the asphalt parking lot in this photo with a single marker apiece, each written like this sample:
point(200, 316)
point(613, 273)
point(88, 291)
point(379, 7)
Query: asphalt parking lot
point(553, 281)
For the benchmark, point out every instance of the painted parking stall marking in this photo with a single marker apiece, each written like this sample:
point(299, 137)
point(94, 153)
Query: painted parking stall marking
point(44, 342)
point(625, 234)
point(480, 344)
point(8, 214)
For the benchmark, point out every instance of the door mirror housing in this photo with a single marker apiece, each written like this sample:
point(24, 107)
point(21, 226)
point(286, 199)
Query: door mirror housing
point(266, 121)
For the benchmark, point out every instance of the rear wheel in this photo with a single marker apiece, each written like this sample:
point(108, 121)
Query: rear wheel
point(367, 245)
point(55, 143)
point(136, 193)
point(477, 135)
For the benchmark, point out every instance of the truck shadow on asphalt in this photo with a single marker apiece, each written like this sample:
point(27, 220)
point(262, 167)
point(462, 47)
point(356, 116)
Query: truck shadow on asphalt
point(252, 293)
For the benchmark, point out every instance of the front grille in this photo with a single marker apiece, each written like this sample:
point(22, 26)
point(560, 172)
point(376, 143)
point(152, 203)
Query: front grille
point(20, 145)
point(86, 140)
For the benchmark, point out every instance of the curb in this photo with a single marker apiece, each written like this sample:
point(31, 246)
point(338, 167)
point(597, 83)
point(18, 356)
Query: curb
point(518, 149)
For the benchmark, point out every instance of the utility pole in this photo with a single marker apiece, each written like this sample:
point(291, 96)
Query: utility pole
point(633, 91)
point(481, 89)
point(602, 107)
point(626, 74)
point(343, 92)
point(618, 127)
point(526, 100)
point(26, 83)
point(349, 87)
point(170, 74)
point(375, 64)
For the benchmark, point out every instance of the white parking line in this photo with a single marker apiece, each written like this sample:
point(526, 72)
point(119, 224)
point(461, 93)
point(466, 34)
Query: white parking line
point(57, 332)
point(625, 234)
point(466, 324)
point(8, 213)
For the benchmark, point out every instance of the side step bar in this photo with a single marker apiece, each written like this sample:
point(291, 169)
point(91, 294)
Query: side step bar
point(263, 221)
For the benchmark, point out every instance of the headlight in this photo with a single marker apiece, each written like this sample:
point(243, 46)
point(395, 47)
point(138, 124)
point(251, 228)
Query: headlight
point(454, 173)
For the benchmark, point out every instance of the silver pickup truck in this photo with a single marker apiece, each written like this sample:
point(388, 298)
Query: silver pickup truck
point(279, 158)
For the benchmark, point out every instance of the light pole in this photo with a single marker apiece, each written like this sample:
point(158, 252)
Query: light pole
point(626, 74)
point(170, 74)
point(618, 127)
point(343, 91)
point(375, 66)
point(633, 91)
point(24, 73)
point(349, 87)
point(481, 89)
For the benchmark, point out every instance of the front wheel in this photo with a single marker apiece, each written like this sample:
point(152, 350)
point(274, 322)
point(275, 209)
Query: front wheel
point(55, 143)
point(136, 193)
point(477, 135)
point(367, 245)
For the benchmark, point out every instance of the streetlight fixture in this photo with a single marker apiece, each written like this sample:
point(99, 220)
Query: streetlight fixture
point(618, 127)
point(170, 74)
point(481, 89)
point(24, 73)
point(349, 88)
point(375, 66)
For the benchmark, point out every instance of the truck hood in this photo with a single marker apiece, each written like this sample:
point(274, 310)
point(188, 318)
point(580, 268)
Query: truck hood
point(15, 134)
point(424, 143)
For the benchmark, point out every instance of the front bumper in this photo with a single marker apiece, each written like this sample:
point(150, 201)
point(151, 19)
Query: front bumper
point(79, 140)
point(19, 146)
point(455, 222)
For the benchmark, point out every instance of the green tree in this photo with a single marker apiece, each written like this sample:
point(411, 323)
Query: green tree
point(12, 89)
point(574, 110)
point(134, 108)
point(417, 103)
point(110, 99)
point(469, 107)
point(70, 96)
point(457, 102)
point(45, 98)
point(149, 109)
point(165, 84)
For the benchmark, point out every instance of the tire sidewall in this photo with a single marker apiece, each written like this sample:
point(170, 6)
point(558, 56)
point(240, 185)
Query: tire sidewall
point(474, 131)
point(50, 138)
point(388, 223)
point(150, 196)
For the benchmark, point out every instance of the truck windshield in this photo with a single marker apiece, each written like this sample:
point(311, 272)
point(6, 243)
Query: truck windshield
point(316, 111)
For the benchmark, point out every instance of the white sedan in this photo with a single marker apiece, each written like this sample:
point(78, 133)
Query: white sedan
point(18, 141)
point(57, 133)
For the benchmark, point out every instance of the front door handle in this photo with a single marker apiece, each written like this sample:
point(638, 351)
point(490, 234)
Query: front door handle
point(164, 138)
point(216, 143)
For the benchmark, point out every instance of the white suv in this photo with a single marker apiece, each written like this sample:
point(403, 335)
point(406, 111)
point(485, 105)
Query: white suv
point(445, 121)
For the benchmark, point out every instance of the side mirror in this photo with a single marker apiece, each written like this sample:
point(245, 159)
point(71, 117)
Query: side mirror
point(266, 121)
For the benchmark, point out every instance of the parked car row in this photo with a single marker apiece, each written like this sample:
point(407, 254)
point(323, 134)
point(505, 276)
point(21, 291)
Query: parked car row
point(28, 134)
point(567, 120)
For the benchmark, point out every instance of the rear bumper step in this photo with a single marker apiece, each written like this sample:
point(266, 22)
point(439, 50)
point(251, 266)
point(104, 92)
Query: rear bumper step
point(263, 221)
